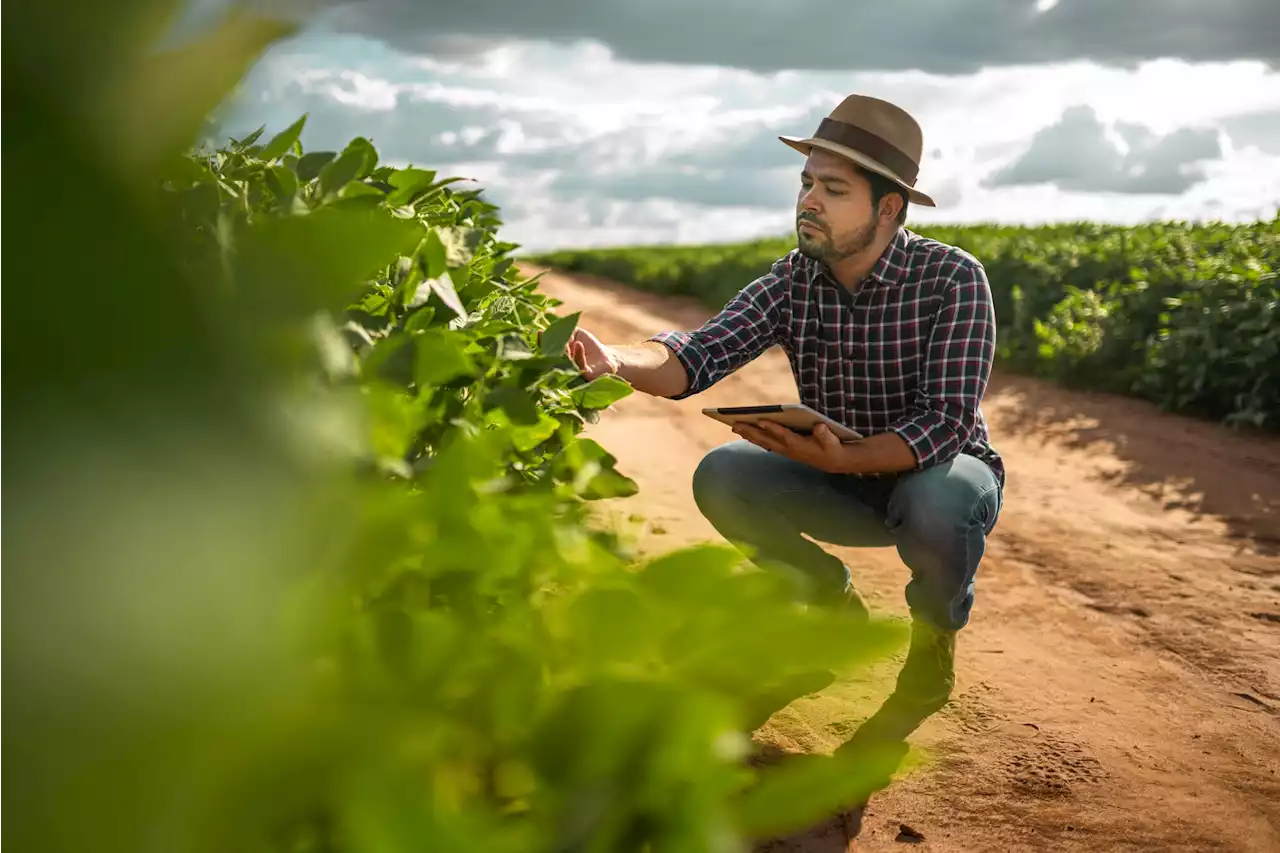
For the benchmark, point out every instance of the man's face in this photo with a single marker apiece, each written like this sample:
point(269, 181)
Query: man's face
point(834, 215)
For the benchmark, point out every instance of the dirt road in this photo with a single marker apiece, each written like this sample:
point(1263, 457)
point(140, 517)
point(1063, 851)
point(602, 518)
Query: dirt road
point(1118, 687)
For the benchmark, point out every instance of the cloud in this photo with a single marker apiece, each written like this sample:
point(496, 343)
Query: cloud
point(735, 188)
point(941, 36)
point(1259, 129)
point(580, 146)
point(1082, 154)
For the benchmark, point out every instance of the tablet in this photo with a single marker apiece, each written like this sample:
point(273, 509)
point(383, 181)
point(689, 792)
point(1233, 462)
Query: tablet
point(794, 416)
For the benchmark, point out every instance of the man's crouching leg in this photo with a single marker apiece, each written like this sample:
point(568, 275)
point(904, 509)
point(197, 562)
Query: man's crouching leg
point(768, 502)
point(940, 519)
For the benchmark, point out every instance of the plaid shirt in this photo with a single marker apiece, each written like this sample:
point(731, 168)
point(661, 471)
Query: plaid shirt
point(910, 351)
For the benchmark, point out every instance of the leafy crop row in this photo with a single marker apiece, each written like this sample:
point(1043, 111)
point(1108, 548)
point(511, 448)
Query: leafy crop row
point(1185, 315)
point(299, 551)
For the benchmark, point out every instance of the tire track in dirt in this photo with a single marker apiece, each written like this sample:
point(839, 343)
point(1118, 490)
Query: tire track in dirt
point(1117, 688)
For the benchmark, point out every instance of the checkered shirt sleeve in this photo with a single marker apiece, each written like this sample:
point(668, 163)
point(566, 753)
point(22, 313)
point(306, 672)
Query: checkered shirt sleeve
point(747, 326)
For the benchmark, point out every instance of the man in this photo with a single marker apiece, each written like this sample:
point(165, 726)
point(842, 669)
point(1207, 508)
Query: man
point(887, 332)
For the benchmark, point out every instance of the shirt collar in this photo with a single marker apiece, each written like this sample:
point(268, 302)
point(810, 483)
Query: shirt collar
point(893, 262)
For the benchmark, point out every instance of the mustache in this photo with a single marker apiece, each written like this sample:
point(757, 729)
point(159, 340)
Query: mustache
point(811, 219)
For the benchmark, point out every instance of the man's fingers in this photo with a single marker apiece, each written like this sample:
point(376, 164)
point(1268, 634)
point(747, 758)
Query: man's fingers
point(783, 436)
point(825, 437)
point(758, 437)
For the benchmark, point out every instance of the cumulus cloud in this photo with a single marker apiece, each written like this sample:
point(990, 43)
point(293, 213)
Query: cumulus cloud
point(1082, 154)
point(940, 36)
point(581, 146)
point(1258, 129)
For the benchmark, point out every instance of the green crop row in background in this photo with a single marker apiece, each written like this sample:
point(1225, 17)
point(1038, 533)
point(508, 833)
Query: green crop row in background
point(1185, 315)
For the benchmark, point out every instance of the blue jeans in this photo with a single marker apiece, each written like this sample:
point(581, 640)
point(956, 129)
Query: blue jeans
point(938, 518)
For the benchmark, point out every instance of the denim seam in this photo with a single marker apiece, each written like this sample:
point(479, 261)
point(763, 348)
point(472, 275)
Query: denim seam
point(973, 510)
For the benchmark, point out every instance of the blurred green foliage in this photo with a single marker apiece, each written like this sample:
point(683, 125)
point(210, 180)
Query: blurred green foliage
point(299, 553)
point(1184, 315)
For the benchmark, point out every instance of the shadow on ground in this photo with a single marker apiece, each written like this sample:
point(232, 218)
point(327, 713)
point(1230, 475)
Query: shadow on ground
point(1182, 463)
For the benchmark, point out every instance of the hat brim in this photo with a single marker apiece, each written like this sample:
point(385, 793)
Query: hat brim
point(804, 146)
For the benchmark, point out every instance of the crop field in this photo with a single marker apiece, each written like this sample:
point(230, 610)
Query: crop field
point(1184, 315)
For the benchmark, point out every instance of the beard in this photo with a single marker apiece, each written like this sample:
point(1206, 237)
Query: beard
point(832, 248)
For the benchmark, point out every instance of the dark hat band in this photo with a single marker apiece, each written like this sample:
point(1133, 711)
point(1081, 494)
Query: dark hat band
point(871, 144)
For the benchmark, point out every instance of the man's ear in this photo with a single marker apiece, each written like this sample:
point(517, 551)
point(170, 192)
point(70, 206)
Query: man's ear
point(890, 207)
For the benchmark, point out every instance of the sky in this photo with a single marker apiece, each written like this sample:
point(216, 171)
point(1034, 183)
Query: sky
point(610, 122)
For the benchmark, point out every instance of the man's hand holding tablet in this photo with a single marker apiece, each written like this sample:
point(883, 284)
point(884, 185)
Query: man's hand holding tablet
point(793, 430)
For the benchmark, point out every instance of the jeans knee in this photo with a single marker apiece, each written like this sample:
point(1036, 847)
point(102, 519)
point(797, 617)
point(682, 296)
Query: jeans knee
point(936, 515)
point(718, 478)
point(930, 524)
point(940, 521)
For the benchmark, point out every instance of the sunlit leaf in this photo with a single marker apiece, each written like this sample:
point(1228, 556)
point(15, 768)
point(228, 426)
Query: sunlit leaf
point(601, 392)
point(408, 183)
point(283, 141)
point(555, 337)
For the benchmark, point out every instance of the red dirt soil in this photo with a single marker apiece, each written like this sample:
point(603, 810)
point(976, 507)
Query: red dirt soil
point(1118, 686)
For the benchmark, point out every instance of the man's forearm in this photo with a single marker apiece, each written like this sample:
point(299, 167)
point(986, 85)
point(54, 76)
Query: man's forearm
point(651, 368)
point(886, 453)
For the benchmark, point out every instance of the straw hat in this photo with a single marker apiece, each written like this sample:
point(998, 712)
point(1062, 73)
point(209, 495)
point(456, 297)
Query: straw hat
point(874, 134)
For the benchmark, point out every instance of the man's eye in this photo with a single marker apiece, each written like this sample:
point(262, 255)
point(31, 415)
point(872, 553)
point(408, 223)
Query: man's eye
point(835, 192)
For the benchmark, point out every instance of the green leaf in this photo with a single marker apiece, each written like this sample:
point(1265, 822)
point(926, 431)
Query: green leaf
point(693, 574)
point(335, 354)
point(282, 182)
point(612, 624)
point(408, 183)
point(460, 244)
point(442, 288)
point(526, 438)
point(202, 202)
point(555, 337)
point(517, 403)
point(441, 358)
point(370, 155)
point(590, 468)
point(283, 141)
point(513, 348)
point(309, 165)
point(440, 185)
point(351, 164)
point(433, 254)
point(359, 189)
point(804, 789)
point(251, 138)
point(601, 392)
point(319, 261)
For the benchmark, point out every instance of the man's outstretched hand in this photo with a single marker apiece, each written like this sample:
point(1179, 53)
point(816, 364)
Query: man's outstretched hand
point(592, 357)
point(822, 450)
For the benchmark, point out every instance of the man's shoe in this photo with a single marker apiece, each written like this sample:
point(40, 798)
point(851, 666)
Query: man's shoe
point(928, 676)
